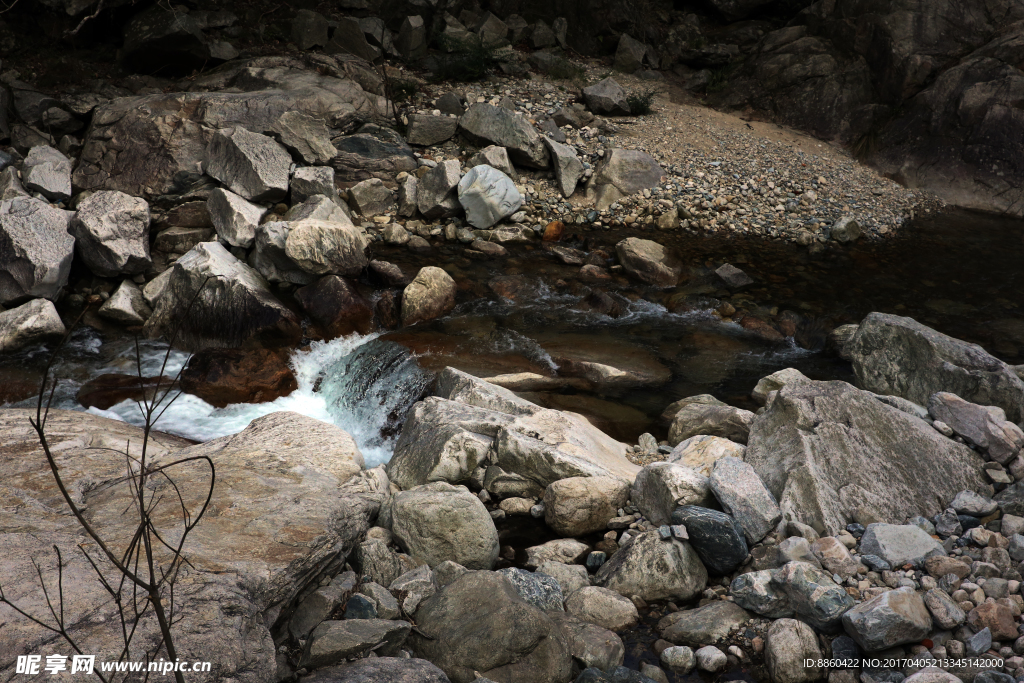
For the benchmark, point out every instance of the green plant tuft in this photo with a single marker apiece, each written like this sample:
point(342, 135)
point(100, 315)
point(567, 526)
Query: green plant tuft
point(640, 101)
point(463, 60)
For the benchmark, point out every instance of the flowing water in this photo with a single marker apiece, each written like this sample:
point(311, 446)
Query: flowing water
point(959, 273)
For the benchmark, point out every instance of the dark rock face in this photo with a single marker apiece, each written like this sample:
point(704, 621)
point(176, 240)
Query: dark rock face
point(336, 306)
point(372, 153)
point(924, 90)
point(225, 376)
point(715, 536)
point(108, 390)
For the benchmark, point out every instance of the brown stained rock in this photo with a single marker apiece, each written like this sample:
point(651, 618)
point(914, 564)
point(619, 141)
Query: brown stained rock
point(110, 389)
point(336, 306)
point(222, 377)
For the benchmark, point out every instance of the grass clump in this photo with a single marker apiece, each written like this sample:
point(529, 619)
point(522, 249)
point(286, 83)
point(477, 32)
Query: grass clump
point(463, 60)
point(640, 101)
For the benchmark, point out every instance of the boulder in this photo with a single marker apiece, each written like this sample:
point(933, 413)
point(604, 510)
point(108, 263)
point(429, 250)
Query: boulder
point(704, 419)
point(380, 670)
point(47, 171)
point(629, 56)
point(425, 130)
point(32, 323)
point(455, 631)
point(789, 645)
point(488, 196)
point(270, 255)
point(776, 381)
point(322, 247)
point(706, 625)
point(999, 438)
point(111, 231)
point(411, 41)
point(757, 592)
point(430, 294)
point(436, 195)
point(899, 544)
point(224, 377)
point(577, 506)
point(813, 595)
point(336, 306)
point(896, 355)
point(606, 98)
point(309, 29)
point(373, 558)
point(319, 207)
point(540, 590)
point(35, 250)
point(289, 494)
point(654, 569)
point(126, 305)
point(249, 164)
point(333, 642)
point(603, 607)
point(567, 166)
point(306, 137)
point(413, 587)
point(700, 452)
point(825, 450)
point(234, 307)
point(742, 495)
point(562, 550)
point(570, 577)
point(661, 487)
point(371, 198)
point(628, 171)
point(591, 645)
point(996, 617)
point(406, 197)
point(893, 618)
point(716, 537)
point(649, 262)
point(234, 218)
point(438, 522)
point(496, 157)
point(711, 659)
point(485, 124)
point(374, 152)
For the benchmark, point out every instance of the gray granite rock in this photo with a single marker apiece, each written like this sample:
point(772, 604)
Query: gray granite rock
point(35, 250)
point(681, 575)
point(484, 124)
point(899, 544)
point(126, 305)
point(249, 164)
point(111, 231)
point(755, 591)
point(538, 589)
point(567, 166)
point(234, 218)
point(992, 433)
point(705, 625)
point(47, 171)
point(742, 494)
point(488, 196)
point(893, 618)
point(305, 136)
point(606, 98)
point(436, 195)
point(426, 130)
point(310, 181)
point(332, 642)
point(31, 323)
point(814, 596)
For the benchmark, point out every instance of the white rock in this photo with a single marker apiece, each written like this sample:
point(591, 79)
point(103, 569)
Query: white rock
point(488, 196)
point(126, 305)
point(234, 218)
point(661, 487)
point(31, 323)
point(711, 659)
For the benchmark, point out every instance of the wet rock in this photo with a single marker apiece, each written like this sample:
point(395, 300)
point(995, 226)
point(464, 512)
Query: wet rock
point(234, 218)
point(705, 625)
point(249, 164)
point(603, 607)
point(567, 166)
point(681, 575)
point(649, 262)
point(742, 494)
point(885, 346)
point(109, 389)
point(606, 98)
point(488, 196)
point(336, 306)
point(235, 306)
point(529, 646)
point(426, 130)
point(430, 294)
point(716, 537)
point(581, 505)
point(35, 250)
point(813, 595)
point(629, 56)
point(307, 137)
point(890, 619)
point(29, 324)
point(756, 591)
point(322, 247)
point(701, 452)
point(860, 453)
point(776, 381)
point(791, 643)
point(496, 157)
point(484, 124)
point(111, 233)
point(899, 544)
point(661, 487)
point(540, 590)
point(333, 641)
point(47, 171)
point(1000, 438)
point(126, 305)
point(438, 522)
point(309, 29)
point(733, 277)
point(222, 377)
point(436, 195)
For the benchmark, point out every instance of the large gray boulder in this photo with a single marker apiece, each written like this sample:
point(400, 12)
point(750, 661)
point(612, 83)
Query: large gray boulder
point(897, 355)
point(485, 124)
point(606, 98)
point(249, 164)
point(269, 255)
point(590, 644)
point(649, 262)
point(438, 522)
point(488, 196)
point(661, 487)
point(126, 305)
point(705, 625)
point(743, 495)
point(426, 130)
point(705, 419)
point(296, 510)
point(602, 607)
point(234, 308)
point(999, 438)
point(322, 247)
point(577, 506)
point(654, 569)
point(234, 218)
point(567, 165)
point(35, 250)
point(436, 195)
point(447, 436)
point(628, 170)
point(479, 624)
point(893, 618)
point(48, 172)
point(790, 645)
point(31, 323)
point(111, 231)
point(430, 294)
point(899, 544)
point(757, 592)
point(826, 450)
point(305, 136)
